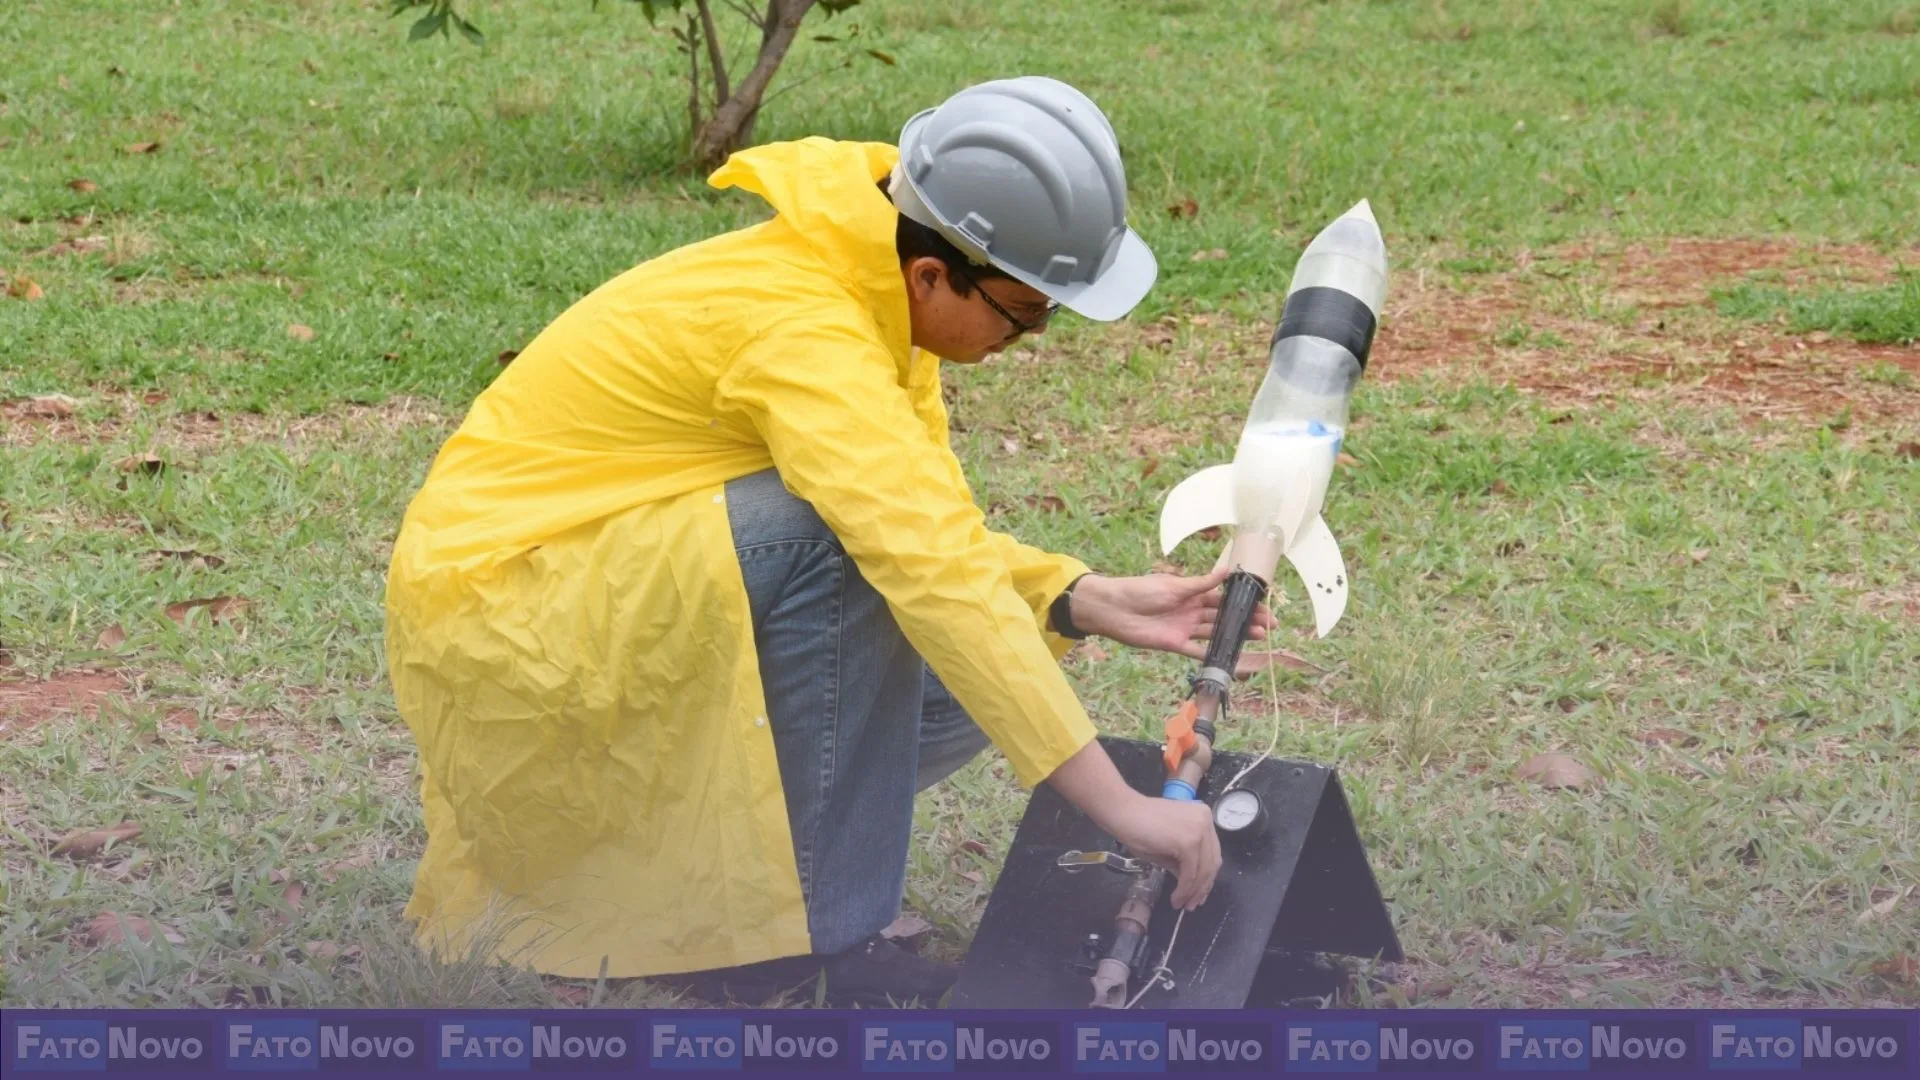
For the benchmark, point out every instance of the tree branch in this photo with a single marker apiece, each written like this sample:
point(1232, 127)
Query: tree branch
point(723, 131)
point(693, 79)
point(748, 13)
point(716, 58)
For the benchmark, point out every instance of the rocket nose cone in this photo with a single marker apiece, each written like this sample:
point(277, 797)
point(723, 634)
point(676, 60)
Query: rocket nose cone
point(1364, 211)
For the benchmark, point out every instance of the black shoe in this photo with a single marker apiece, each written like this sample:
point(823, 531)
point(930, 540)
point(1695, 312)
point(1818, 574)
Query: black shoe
point(881, 974)
point(875, 974)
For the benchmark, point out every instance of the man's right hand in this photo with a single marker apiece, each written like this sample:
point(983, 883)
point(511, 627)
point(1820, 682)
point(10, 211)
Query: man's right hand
point(1166, 832)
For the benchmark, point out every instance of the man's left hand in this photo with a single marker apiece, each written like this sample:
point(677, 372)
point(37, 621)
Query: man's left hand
point(1158, 611)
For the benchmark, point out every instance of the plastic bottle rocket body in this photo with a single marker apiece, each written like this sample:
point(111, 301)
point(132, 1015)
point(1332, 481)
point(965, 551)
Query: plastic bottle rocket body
point(1273, 491)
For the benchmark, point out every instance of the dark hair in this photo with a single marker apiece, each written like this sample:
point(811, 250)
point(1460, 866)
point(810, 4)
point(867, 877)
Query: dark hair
point(912, 240)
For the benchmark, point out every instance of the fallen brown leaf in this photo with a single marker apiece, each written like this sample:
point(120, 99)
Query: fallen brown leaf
point(219, 608)
point(1212, 255)
point(49, 407)
point(1185, 208)
point(974, 876)
point(1509, 548)
point(1884, 907)
point(1010, 445)
point(83, 185)
point(1900, 969)
point(327, 950)
point(974, 846)
point(112, 637)
point(292, 894)
point(1252, 663)
point(24, 288)
point(1665, 737)
point(1051, 504)
point(1552, 770)
point(87, 843)
point(507, 356)
point(143, 147)
point(148, 463)
point(1091, 653)
point(192, 558)
point(112, 928)
point(347, 865)
point(1151, 466)
point(1351, 462)
point(299, 332)
point(1699, 555)
point(1908, 450)
point(570, 994)
point(154, 397)
point(1499, 487)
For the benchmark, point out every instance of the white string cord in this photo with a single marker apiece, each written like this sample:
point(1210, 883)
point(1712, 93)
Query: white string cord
point(1162, 974)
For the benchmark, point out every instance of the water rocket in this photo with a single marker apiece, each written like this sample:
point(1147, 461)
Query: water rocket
point(1272, 492)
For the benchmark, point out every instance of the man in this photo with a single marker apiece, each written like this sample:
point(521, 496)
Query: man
point(697, 597)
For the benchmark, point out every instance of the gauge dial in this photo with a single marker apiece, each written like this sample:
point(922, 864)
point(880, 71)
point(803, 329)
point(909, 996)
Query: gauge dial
point(1238, 811)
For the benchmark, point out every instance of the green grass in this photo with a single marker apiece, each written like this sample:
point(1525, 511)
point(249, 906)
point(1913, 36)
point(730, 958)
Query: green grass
point(1889, 315)
point(1715, 623)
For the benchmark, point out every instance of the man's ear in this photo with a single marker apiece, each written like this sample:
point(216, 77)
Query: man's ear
point(924, 275)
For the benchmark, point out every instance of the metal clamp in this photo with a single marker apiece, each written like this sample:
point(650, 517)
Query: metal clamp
point(1075, 861)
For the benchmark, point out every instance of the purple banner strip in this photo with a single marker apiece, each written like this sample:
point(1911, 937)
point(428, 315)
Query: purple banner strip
point(164, 1044)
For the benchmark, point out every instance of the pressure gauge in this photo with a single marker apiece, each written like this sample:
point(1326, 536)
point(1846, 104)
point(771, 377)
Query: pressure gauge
point(1239, 813)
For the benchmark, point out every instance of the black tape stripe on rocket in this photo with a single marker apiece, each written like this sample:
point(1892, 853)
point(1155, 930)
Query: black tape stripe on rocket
point(1334, 314)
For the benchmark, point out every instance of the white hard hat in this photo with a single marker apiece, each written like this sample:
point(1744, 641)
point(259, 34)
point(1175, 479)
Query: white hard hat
point(1025, 174)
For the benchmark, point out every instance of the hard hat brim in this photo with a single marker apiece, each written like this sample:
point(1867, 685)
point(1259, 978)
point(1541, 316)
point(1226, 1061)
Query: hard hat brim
point(1109, 297)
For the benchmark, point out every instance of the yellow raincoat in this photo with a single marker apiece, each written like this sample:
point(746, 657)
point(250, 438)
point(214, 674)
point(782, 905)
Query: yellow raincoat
point(567, 629)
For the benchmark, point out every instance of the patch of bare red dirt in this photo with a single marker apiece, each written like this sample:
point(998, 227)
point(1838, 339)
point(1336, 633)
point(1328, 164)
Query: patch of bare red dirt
point(25, 703)
point(1585, 324)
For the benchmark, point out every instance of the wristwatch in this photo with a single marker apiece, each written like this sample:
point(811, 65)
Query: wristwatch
point(1060, 614)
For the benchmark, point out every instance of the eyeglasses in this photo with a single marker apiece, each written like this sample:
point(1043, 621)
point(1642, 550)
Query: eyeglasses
point(1018, 326)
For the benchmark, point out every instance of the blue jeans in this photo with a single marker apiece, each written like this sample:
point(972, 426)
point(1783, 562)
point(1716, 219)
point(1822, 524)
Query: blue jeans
point(860, 724)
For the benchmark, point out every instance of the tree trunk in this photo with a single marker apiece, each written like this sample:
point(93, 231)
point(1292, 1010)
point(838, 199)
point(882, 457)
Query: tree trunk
point(731, 123)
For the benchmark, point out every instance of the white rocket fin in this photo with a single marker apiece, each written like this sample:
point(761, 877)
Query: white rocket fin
point(1316, 555)
point(1203, 499)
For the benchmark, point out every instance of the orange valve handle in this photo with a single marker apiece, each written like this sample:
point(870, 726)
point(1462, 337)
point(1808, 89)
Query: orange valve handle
point(1180, 737)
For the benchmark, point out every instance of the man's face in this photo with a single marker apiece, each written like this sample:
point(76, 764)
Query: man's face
point(967, 329)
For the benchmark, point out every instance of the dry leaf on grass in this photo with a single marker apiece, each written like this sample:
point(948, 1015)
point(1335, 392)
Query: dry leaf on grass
point(1552, 770)
point(1901, 969)
point(83, 185)
point(143, 147)
point(111, 638)
point(1091, 653)
point(1051, 504)
point(1908, 450)
point(1010, 445)
point(569, 994)
point(1212, 255)
point(1351, 462)
point(47, 407)
point(1252, 663)
point(974, 846)
point(113, 927)
point(23, 288)
point(1884, 907)
point(974, 876)
point(299, 332)
point(87, 843)
point(1666, 737)
point(507, 356)
point(197, 559)
point(219, 608)
point(1185, 208)
point(327, 950)
point(905, 927)
point(148, 463)
point(345, 866)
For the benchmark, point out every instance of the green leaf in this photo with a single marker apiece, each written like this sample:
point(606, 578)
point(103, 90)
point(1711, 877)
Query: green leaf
point(884, 58)
point(471, 31)
point(835, 7)
point(429, 25)
point(829, 38)
point(401, 7)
